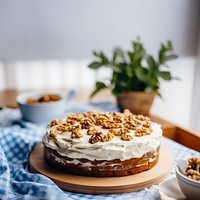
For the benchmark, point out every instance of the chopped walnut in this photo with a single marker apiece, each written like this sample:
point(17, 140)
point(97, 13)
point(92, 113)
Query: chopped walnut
point(130, 125)
point(76, 134)
point(63, 128)
point(101, 119)
point(118, 118)
point(107, 137)
point(137, 122)
point(96, 137)
point(116, 132)
point(54, 132)
point(93, 119)
point(111, 124)
point(146, 125)
point(53, 123)
point(71, 121)
point(86, 123)
point(76, 117)
point(124, 131)
point(193, 169)
point(141, 132)
point(127, 112)
point(92, 116)
point(92, 130)
point(142, 118)
point(126, 137)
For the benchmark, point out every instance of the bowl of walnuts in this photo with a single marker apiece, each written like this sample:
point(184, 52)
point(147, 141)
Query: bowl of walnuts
point(42, 106)
point(188, 175)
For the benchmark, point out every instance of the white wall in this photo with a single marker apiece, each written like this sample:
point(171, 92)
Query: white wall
point(49, 29)
point(176, 102)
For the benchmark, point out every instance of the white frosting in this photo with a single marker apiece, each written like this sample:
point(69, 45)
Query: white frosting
point(116, 148)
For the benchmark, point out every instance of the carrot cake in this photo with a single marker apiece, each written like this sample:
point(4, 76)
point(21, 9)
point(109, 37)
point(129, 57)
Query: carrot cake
point(103, 144)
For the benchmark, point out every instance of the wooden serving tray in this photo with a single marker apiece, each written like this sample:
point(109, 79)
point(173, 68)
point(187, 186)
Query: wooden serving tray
point(103, 185)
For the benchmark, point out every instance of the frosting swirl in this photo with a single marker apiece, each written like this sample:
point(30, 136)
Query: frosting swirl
point(115, 148)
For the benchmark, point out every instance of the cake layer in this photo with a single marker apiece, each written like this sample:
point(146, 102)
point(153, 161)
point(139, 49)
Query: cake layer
point(104, 168)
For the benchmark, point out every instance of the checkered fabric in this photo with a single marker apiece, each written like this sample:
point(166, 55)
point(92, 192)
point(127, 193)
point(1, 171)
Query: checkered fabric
point(18, 138)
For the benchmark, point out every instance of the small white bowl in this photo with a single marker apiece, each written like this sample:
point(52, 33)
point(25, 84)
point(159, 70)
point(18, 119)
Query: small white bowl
point(189, 187)
point(42, 112)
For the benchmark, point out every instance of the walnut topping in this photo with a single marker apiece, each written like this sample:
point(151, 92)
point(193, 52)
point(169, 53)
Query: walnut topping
point(146, 125)
point(116, 132)
point(92, 119)
point(96, 137)
point(63, 128)
point(75, 127)
point(126, 137)
point(76, 134)
point(75, 117)
point(118, 124)
point(137, 122)
point(118, 118)
point(142, 118)
point(107, 137)
point(111, 124)
point(71, 121)
point(193, 169)
point(101, 119)
point(127, 112)
point(130, 125)
point(54, 132)
point(53, 123)
point(92, 130)
point(141, 132)
point(124, 131)
point(86, 123)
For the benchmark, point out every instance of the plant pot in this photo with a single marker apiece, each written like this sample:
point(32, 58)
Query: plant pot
point(136, 102)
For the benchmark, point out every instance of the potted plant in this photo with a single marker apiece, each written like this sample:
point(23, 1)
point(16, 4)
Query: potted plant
point(136, 75)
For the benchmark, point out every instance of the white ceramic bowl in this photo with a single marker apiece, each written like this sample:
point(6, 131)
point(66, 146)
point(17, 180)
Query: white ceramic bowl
point(42, 112)
point(189, 187)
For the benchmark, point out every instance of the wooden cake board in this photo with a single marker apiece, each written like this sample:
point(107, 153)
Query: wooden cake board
point(103, 185)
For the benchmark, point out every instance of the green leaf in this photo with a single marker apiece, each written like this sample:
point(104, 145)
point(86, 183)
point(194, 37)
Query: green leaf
point(104, 58)
point(115, 68)
point(99, 86)
point(131, 56)
point(169, 45)
point(161, 54)
point(166, 53)
point(151, 62)
point(95, 53)
point(114, 57)
point(120, 53)
point(170, 57)
point(141, 73)
point(95, 65)
point(129, 72)
point(165, 75)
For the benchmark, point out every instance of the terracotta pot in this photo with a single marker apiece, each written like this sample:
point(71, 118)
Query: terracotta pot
point(136, 102)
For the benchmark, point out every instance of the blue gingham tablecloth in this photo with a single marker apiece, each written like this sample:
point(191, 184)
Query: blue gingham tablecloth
point(18, 138)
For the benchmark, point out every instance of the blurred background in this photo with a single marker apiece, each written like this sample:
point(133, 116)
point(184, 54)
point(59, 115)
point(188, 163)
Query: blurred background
point(48, 44)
